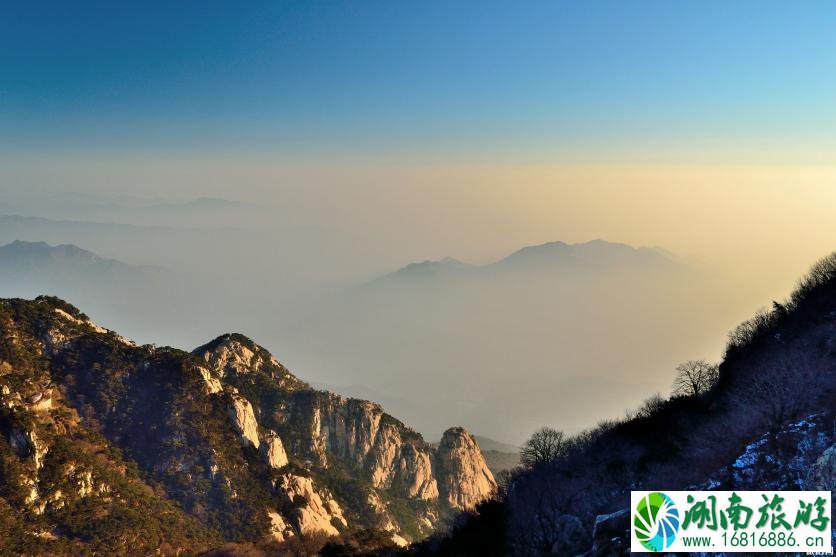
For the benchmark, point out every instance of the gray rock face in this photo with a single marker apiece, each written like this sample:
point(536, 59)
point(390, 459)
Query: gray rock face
point(611, 535)
point(212, 383)
point(416, 473)
point(391, 454)
point(782, 460)
point(359, 432)
point(822, 474)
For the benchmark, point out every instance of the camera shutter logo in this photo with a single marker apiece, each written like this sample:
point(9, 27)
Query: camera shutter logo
point(656, 521)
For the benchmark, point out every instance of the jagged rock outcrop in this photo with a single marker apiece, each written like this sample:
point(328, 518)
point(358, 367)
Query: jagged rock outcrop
point(232, 355)
point(213, 384)
point(243, 418)
point(464, 477)
point(415, 472)
point(280, 529)
point(273, 450)
point(311, 510)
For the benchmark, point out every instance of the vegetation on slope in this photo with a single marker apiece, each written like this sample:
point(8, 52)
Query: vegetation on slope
point(64, 489)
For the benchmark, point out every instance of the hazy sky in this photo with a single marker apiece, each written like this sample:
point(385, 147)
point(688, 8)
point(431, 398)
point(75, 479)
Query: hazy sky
point(462, 128)
point(760, 225)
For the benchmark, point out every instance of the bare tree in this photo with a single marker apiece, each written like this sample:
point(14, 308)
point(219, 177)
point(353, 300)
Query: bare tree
point(694, 377)
point(544, 446)
point(745, 333)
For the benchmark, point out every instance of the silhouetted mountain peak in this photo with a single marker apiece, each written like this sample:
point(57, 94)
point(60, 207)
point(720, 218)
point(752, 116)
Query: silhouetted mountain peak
point(428, 269)
point(453, 262)
point(42, 250)
point(594, 251)
point(594, 255)
point(39, 267)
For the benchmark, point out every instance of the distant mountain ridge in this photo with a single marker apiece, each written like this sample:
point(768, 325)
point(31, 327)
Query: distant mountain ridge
point(100, 284)
point(488, 444)
point(595, 255)
point(592, 253)
point(42, 263)
point(40, 255)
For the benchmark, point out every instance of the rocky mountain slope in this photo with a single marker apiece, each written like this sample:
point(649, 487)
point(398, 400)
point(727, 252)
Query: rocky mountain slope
point(799, 456)
point(107, 445)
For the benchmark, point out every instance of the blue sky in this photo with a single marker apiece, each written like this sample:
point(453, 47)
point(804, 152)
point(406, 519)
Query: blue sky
point(562, 80)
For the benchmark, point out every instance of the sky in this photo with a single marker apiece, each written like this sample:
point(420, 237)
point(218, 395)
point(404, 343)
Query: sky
point(534, 82)
point(374, 134)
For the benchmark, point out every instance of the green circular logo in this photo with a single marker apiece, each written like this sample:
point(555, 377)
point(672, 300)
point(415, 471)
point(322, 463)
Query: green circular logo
point(656, 521)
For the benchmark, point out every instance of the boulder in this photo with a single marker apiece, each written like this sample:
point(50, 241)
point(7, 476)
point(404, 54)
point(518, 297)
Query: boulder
point(822, 474)
point(611, 535)
point(273, 450)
